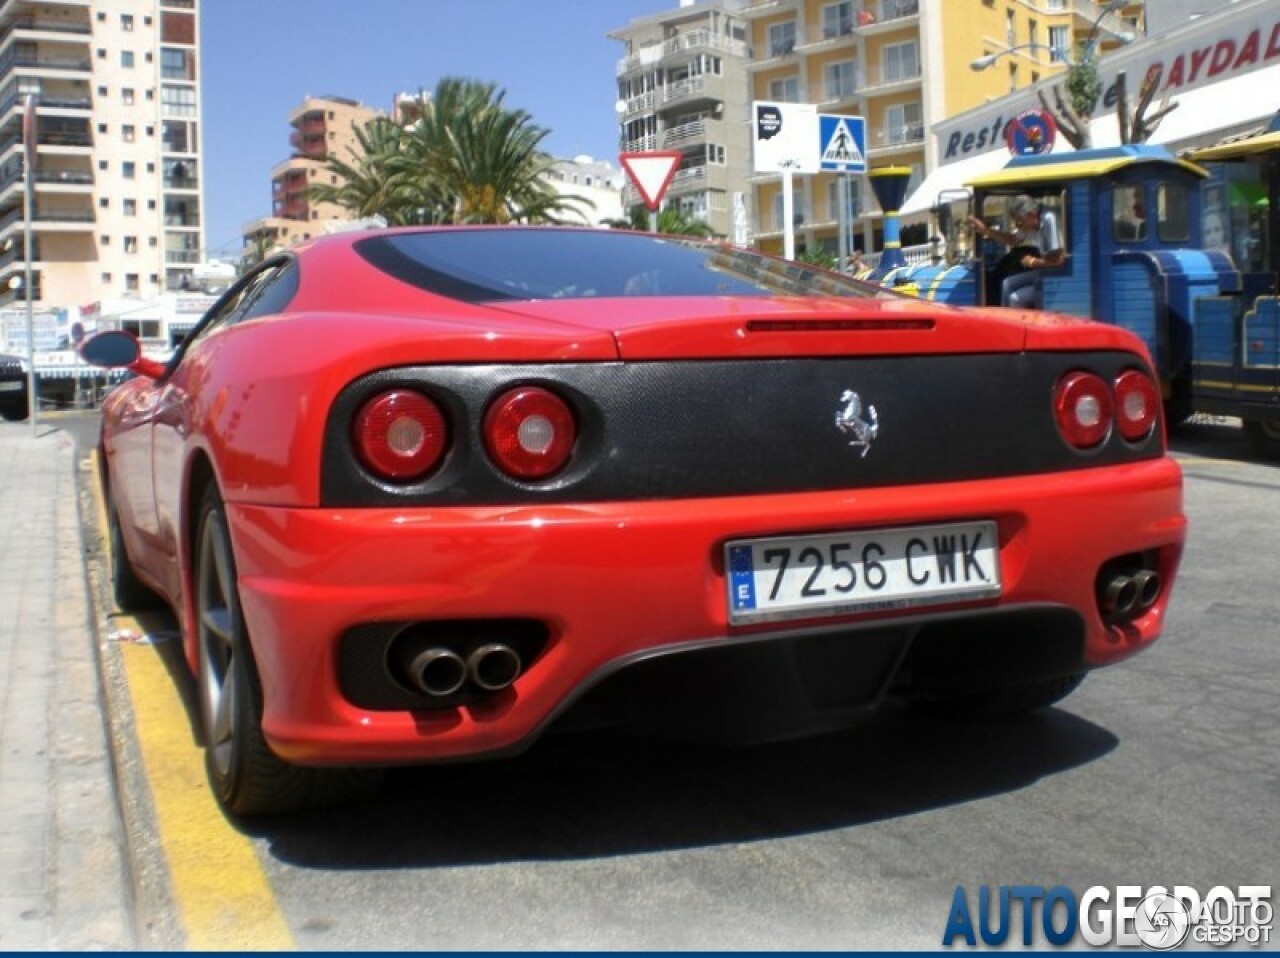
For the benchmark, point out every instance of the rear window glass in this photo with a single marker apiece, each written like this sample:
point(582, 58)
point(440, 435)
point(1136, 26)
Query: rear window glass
point(523, 263)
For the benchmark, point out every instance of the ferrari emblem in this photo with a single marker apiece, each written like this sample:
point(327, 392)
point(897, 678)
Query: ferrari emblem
point(850, 421)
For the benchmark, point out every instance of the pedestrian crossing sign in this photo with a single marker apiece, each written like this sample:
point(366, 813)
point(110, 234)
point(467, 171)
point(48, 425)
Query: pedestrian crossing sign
point(843, 142)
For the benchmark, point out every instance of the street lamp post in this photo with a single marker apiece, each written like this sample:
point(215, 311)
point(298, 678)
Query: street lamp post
point(1083, 85)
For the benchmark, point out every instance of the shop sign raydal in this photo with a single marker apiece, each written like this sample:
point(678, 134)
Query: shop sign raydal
point(1193, 59)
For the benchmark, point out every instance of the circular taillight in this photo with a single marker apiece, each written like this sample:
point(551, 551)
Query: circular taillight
point(529, 432)
point(400, 435)
point(1083, 408)
point(1137, 405)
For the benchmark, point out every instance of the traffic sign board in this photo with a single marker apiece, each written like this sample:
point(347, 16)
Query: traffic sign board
point(651, 173)
point(842, 141)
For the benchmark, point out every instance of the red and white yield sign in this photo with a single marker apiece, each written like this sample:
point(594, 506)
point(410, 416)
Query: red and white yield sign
point(651, 173)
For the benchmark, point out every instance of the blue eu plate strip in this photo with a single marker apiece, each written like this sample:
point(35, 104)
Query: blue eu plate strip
point(742, 581)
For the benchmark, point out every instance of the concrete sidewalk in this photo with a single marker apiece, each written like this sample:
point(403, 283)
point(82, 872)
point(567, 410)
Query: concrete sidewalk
point(65, 878)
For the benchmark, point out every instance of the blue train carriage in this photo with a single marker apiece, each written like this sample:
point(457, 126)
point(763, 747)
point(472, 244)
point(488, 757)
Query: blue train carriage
point(1236, 368)
point(1132, 220)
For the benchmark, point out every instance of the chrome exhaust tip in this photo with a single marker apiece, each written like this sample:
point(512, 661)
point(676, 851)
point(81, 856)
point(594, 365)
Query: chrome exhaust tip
point(494, 666)
point(437, 672)
point(1147, 582)
point(1119, 596)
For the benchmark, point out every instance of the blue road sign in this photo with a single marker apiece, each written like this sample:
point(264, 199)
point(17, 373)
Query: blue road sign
point(842, 143)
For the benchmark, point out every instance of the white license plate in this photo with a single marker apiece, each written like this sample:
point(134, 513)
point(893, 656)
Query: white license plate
point(782, 578)
point(11, 387)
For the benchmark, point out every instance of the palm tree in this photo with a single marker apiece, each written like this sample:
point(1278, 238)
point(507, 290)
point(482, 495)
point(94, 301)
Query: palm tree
point(465, 158)
point(674, 222)
point(367, 185)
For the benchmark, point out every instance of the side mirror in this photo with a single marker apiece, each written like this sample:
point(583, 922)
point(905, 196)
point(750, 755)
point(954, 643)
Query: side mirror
point(117, 349)
point(111, 350)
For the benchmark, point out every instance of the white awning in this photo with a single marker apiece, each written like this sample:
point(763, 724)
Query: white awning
point(953, 176)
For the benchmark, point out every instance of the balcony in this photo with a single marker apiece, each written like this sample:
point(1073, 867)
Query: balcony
point(51, 25)
point(680, 46)
point(887, 15)
point(770, 8)
point(882, 140)
point(687, 133)
point(644, 103)
point(27, 61)
point(880, 79)
point(687, 92)
point(643, 144)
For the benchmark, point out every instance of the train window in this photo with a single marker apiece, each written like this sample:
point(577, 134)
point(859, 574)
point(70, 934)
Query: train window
point(1173, 213)
point(1128, 213)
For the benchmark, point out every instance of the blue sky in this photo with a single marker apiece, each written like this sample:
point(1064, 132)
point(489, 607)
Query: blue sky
point(263, 57)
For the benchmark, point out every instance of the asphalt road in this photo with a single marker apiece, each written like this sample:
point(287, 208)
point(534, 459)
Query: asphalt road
point(1161, 771)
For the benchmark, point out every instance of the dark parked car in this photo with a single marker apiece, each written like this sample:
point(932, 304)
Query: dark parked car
point(14, 402)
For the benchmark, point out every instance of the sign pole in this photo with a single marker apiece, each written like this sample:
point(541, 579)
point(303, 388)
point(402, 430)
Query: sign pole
point(842, 221)
point(28, 207)
point(788, 214)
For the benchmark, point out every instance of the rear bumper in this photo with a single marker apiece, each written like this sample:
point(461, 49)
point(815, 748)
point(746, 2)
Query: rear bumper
point(615, 584)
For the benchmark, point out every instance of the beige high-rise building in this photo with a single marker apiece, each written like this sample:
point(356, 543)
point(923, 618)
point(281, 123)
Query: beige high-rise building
point(320, 127)
point(682, 86)
point(117, 172)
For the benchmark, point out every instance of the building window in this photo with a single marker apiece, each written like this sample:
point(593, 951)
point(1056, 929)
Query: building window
point(177, 101)
point(131, 282)
point(838, 80)
point(1060, 42)
point(102, 91)
point(126, 95)
point(104, 240)
point(131, 244)
point(126, 59)
point(102, 128)
point(126, 21)
point(129, 132)
point(104, 203)
point(129, 169)
point(1010, 28)
point(855, 197)
point(782, 38)
point(786, 90)
point(130, 207)
point(173, 64)
point(837, 19)
point(904, 124)
point(901, 62)
point(106, 278)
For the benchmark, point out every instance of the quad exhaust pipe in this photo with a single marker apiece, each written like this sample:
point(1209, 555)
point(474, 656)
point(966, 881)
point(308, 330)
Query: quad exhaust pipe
point(439, 671)
point(1129, 595)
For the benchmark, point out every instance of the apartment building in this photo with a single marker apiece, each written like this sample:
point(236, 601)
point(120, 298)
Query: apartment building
point(319, 127)
point(117, 172)
point(683, 85)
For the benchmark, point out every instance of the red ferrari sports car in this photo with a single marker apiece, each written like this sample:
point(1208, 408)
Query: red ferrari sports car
point(423, 495)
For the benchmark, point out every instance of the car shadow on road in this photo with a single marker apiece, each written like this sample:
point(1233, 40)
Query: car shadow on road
point(594, 794)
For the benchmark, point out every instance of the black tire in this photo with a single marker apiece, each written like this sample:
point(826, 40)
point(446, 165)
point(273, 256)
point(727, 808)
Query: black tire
point(129, 592)
point(1264, 436)
point(1001, 702)
point(16, 412)
point(246, 776)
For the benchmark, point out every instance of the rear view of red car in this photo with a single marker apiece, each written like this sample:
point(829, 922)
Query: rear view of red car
point(419, 495)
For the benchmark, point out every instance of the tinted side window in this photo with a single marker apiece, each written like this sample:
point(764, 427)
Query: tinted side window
point(274, 293)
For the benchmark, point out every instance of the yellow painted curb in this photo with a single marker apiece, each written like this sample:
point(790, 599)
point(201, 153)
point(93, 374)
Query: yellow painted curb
point(222, 894)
